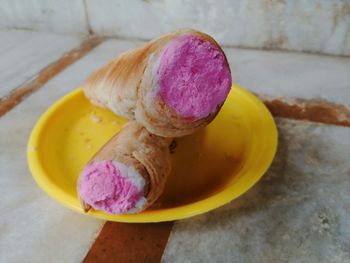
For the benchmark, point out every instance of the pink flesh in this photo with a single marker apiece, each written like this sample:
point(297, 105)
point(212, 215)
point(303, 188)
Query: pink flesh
point(103, 187)
point(194, 77)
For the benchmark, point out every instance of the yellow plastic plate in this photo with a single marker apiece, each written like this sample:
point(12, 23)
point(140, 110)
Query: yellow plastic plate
point(210, 168)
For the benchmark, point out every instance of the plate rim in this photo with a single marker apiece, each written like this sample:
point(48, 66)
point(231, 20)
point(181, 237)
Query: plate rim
point(169, 214)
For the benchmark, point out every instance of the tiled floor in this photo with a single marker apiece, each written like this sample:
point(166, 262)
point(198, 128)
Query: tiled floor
point(24, 54)
point(292, 75)
point(299, 212)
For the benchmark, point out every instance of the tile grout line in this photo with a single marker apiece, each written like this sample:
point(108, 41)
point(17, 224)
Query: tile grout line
point(266, 48)
point(87, 18)
point(24, 90)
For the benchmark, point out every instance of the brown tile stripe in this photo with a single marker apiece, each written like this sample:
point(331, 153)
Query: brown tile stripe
point(310, 110)
point(18, 94)
point(129, 243)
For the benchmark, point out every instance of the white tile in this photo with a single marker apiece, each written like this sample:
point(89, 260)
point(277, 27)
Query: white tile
point(298, 212)
point(316, 26)
point(277, 74)
point(33, 226)
point(64, 16)
point(24, 54)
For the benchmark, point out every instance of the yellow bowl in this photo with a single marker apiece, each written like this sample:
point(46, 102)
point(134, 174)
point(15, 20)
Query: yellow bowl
point(210, 168)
